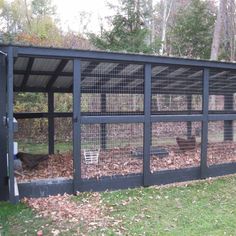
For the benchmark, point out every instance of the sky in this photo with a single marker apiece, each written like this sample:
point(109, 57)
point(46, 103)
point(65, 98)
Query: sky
point(69, 12)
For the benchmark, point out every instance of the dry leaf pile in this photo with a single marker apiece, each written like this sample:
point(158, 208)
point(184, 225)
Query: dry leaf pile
point(55, 166)
point(120, 161)
point(61, 208)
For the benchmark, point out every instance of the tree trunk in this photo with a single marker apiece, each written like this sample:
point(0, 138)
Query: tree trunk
point(216, 38)
point(218, 29)
point(230, 30)
point(165, 17)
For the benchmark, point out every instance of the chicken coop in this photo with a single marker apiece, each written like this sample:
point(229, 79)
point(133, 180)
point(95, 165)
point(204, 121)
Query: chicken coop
point(131, 120)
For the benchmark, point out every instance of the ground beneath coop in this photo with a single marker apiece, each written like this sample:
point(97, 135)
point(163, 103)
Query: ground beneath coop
point(120, 161)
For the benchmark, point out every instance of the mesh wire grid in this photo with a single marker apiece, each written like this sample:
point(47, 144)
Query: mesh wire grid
point(175, 145)
point(120, 149)
point(221, 142)
point(176, 89)
point(109, 88)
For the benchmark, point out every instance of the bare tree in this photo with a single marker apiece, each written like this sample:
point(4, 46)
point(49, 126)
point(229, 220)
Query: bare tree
point(229, 31)
point(218, 29)
point(167, 5)
point(220, 22)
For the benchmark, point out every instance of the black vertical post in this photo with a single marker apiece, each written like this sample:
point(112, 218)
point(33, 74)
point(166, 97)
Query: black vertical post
point(228, 124)
point(103, 125)
point(147, 123)
point(76, 125)
point(3, 131)
point(10, 127)
point(203, 163)
point(51, 128)
point(189, 123)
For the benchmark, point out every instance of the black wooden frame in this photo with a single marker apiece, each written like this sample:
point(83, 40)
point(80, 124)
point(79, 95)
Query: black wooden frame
point(55, 186)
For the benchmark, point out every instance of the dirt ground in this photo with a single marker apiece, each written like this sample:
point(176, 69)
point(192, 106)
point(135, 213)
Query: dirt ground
point(120, 161)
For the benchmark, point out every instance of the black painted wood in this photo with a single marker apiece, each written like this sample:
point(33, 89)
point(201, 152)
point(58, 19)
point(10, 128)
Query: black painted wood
point(147, 134)
point(204, 140)
point(76, 124)
point(4, 193)
point(56, 74)
point(172, 176)
point(45, 188)
point(118, 57)
point(51, 128)
point(27, 73)
point(10, 127)
point(103, 127)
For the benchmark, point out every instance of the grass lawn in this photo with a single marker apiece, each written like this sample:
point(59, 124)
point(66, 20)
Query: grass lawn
point(42, 148)
point(201, 208)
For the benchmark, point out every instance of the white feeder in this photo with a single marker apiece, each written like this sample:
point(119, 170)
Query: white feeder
point(91, 156)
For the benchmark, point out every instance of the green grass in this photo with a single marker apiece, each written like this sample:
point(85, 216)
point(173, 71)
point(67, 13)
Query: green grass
point(204, 208)
point(200, 209)
point(19, 220)
point(42, 148)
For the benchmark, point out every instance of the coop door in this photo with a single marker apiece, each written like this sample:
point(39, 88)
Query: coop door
point(3, 132)
point(12, 185)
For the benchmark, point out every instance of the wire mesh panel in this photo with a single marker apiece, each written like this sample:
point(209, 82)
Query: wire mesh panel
point(109, 88)
point(32, 135)
point(175, 145)
point(91, 103)
point(176, 88)
point(116, 149)
point(63, 135)
point(32, 138)
point(221, 142)
point(222, 86)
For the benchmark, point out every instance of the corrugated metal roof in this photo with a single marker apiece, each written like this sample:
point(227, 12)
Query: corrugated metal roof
point(68, 67)
point(116, 78)
point(21, 63)
point(38, 81)
point(63, 82)
point(18, 80)
point(42, 64)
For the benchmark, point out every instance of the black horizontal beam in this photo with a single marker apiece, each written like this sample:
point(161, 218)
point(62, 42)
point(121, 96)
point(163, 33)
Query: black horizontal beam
point(41, 90)
point(84, 74)
point(221, 169)
point(136, 90)
point(45, 188)
point(176, 118)
point(215, 117)
point(117, 57)
point(173, 176)
point(160, 116)
point(32, 115)
point(112, 119)
point(42, 73)
point(111, 183)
